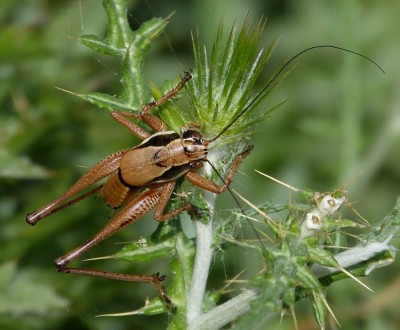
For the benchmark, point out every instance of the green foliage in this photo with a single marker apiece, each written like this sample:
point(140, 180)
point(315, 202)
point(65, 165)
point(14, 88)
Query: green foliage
point(340, 120)
point(220, 91)
point(19, 167)
point(131, 47)
point(25, 304)
point(224, 85)
point(301, 263)
point(230, 79)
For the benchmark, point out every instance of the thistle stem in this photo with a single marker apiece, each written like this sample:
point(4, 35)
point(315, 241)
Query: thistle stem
point(203, 259)
point(225, 313)
point(204, 253)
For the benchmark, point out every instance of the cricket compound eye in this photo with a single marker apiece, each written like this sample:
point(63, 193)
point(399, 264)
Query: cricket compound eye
point(192, 135)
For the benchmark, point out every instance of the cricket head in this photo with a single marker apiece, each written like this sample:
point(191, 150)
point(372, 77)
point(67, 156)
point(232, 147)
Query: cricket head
point(194, 146)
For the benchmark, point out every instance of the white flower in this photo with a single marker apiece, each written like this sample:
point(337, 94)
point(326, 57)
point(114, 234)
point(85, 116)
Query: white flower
point(313, 220)
point(329, 204)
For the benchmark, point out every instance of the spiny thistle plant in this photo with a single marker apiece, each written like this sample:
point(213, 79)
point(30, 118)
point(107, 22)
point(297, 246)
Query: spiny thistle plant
point(219, 91)
point(308, 250)
point(302, 260)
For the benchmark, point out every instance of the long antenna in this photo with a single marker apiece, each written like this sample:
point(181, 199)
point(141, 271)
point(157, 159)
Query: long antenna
point(259, 95)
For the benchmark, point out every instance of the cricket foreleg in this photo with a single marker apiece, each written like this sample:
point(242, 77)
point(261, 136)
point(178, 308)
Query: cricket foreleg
point(165, 196)
point(123, 118)
point(169, 95)
point(144, 114)
point(210, 185)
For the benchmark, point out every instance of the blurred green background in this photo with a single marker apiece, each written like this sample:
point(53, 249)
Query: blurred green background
point(342, 116)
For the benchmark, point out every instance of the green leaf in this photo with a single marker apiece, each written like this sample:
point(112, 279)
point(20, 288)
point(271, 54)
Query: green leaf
point(7, 271)
point(99, 45)
point(319, 309)
point(25, 294)
point(106, 101)
point(222, 87)
point(136, 47)
point(181, 266)
point(386, 229)
point(146, 251)
point(131, 47)
point(322, 257)
point(307, 279)
point(119, 32)
point(19, 167)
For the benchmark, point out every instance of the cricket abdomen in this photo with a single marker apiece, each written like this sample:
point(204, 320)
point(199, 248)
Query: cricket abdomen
point(114, 192)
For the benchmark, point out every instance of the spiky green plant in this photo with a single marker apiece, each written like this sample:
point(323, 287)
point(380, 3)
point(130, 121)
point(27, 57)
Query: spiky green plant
point(308, 251)
point(223, 85)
